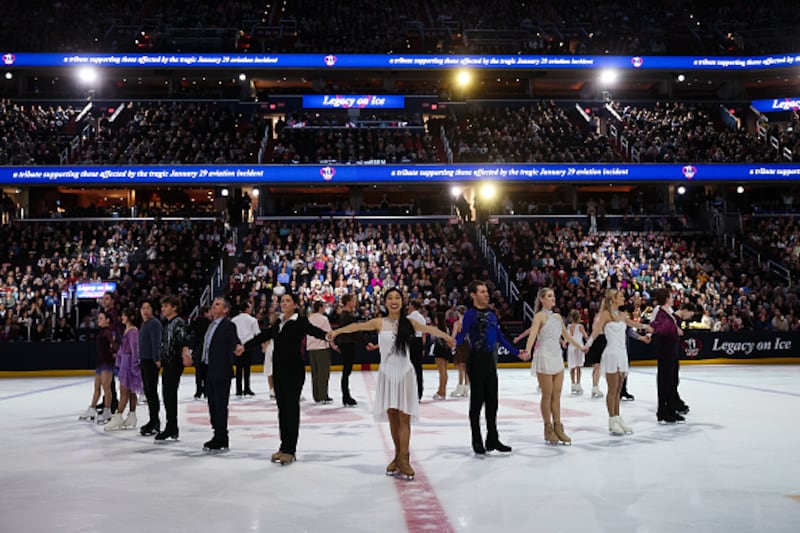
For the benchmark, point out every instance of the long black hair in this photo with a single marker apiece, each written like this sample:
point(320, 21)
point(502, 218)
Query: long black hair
point(405, 329)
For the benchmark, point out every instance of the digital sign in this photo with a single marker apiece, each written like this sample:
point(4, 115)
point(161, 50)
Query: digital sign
point(353, 101)
point(392, 61)
point(368, 174)
point(776, 105)
point(94, 289)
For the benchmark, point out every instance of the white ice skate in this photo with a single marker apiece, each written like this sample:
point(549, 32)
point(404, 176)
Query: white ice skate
point(115, 423)
point(89, 415)
point(625, 427)
point(104, 417)
point(597, 393)
point(614, 427)
point(130, 421)
point(578, 389)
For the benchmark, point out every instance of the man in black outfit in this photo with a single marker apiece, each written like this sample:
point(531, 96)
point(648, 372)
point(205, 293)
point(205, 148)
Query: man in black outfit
point(347, 346)
point(219, 345)
point(200, 368)
point(174, 356)
point(149, 357)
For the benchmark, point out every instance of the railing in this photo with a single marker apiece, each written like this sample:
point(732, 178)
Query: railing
point(780, 270)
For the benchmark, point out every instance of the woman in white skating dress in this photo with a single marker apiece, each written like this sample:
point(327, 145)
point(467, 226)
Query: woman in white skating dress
point(396, 394)
point(397, 381)
point(614, 361)
point(548, 365)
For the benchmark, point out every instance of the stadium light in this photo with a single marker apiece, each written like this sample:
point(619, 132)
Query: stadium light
point(87, 75)
point(242, 76)
point(608, 76)
point(681, 78)
point(224, 192)
point(464, 77)
point(681, 190)
point(488, 191)
point(740, 190)
point(255, 192)
point(455, 191)
point(9, 75)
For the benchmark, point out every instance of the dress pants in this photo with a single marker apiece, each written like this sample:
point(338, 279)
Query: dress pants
point(288, 386)
point(243, 371)
point(415, 349)
point(667, 380)
point(482, 372)
point(348, 355)
point(218, 395)
point(150, 383)
point(170, 380)
point(320, 373)
point(200, 371)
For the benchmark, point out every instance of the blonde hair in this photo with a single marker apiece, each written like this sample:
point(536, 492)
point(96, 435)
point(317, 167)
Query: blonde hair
point(537, 306)
point(607, 299)
point(575, 317)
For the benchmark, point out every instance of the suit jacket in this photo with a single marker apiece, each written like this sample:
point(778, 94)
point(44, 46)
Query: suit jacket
point(220, 351)
point(287, 355)
point(665, 334)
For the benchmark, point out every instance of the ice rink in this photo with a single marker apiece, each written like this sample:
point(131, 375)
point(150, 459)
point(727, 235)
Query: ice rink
point(733, 467)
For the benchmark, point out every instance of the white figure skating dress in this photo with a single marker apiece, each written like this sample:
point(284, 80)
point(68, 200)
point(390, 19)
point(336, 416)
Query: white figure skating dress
point(615, 356)
point(397, 382)
point(575, 356)
point(547, 355)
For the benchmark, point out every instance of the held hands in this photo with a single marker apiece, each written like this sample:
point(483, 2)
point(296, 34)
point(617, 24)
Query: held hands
point(649, 329)
point(585, 348)
point(187, 359)
point(646, 339)
point(525, 355)
point(239, 350)
point(451, 342)
point(372, 346)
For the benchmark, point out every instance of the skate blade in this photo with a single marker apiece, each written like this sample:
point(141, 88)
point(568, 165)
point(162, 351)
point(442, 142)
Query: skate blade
point(209, 451)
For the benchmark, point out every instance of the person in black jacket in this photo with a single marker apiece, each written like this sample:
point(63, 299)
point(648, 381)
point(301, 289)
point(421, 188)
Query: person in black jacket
point(199, 328)
point(346, 344)
point(218, 346)
point(288, 370)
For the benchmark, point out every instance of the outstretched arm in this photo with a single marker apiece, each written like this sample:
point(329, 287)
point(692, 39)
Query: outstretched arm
point(372, 325)
point(436, 332)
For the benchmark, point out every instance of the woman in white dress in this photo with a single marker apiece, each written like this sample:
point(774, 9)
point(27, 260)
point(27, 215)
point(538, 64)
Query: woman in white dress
point(396, 392)
point(576, 357)
point(614, 361)
point(548, 365)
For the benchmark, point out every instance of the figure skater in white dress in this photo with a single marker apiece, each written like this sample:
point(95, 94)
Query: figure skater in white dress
point(614, 361)
point(548, 365)
point(396, 392)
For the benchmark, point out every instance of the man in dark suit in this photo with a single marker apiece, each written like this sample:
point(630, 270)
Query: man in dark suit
point(219, 346)
point(199, 329)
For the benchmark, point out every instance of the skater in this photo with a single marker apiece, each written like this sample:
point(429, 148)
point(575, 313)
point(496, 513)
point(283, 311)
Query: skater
point(199, 328)
point(594, 354)
point(150, 352)
point(460, 357)
point(287, 335)
point(130, 375)
point(614, 360)
point(396, 393)
point(346, 344)
point(480, 327)
point(246, 328)
point(667, 333)
point(174, 356)
point(104, 372)
point(576, 357)
point(220, 347)
point(418, 342)
point(319, 355)
point(442, 355)
point(548, 366)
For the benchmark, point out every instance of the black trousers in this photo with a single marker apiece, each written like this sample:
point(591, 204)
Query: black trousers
point(200, 372)
point(150, 383)
point(482, 372)
point(243, 371)
point(170, 381)
point(667, 381)
point(288, 386)
point(348, 352)
point(415, 349)
point(218, 394)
